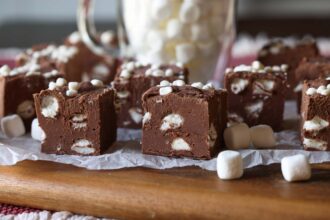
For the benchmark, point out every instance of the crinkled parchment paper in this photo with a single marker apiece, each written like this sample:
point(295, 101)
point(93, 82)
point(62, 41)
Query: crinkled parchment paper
point(126, 152)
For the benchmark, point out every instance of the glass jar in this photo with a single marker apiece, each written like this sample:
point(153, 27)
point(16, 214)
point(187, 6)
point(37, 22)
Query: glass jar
point(196, 33)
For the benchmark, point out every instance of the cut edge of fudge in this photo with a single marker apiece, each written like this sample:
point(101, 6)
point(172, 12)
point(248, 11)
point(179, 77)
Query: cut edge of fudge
point(190, 131)
point(315, 129)
point(77, 118)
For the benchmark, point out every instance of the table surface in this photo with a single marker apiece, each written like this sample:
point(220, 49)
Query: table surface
point(186, 193)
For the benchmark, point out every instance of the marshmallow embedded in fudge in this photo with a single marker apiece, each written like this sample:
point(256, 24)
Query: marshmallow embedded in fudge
point(80, 124)
point(237, 136)
point(188, 121)
point(262, 136)
point(296, 168)
point(229, 165)
point(134, 78)
point(36, 131)
point(254, 91)
point(12, 126)
point(278, 52)
point(315, 127)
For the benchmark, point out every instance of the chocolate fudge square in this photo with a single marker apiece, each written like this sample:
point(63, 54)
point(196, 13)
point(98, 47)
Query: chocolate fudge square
point(310, 69)
point(256, 94)
point(17, 87)
point(95, 66)
point(277, 53)
point(183, 120)
point(132, 80)
point(78, 119)
point(315, 111)
point(63, 58)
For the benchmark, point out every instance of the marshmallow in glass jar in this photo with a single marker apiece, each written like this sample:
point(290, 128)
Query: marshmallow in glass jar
point(194, 33)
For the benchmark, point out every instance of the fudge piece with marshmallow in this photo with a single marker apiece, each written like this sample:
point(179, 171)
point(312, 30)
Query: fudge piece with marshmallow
point(76, 118)
point(132, 80)
point(183, 120)
point(310, 69)
point(94, 66)
point(17, 87)
point(315, 114)
point(256, 94)
point(63, 58)
point(277, 53)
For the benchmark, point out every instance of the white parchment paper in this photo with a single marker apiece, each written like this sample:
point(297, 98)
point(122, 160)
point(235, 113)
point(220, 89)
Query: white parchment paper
point(126, 152)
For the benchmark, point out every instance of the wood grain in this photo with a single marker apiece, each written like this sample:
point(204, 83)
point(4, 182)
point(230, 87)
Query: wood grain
point(186, 193)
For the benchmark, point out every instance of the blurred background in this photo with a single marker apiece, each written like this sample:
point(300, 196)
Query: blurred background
point(26, 22)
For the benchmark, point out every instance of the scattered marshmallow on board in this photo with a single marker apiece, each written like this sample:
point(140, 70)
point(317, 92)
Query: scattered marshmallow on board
point(36, 131)
point(229, 165)
point(262, 136)
point(12, 126)
point(296, 168)
point(237, 136)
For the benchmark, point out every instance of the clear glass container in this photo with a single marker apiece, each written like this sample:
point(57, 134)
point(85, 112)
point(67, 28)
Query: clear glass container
point(196, 33)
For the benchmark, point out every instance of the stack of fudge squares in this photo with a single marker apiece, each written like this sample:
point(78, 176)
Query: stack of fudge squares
point(80, 98)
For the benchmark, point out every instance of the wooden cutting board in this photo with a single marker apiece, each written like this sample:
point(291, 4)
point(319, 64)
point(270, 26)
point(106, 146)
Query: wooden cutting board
point(185, 193)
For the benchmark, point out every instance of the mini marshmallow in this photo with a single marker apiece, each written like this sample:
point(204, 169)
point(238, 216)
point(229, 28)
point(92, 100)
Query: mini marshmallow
point(229, 165)
point(179, 64)
point(199, 32)
point(107, 37)
point(60, 82)
point(74, 38)
point(158, 73)
point(165, 90)
point(179, 82)
point(315, 124)
point(296, 168)
point(169, 73)
point(52, 86)
point(161, 9)
point(156, 40)
point(165, 83)
point(148, 72)
point(257, 65)
point(189, 13)
point(125, 74)
point(238, 85)
point(311, 91)
point(198, 85)
point(12, 126)
point(36, 131)
point(237, 136)
point(262, 136)
point(73, 85)
point(96, 82)
point(71, 92)
point(242, 68)
point(185, 52)
point(174, 29)
point(130, 66)
point(208, 86)
point(5, 70)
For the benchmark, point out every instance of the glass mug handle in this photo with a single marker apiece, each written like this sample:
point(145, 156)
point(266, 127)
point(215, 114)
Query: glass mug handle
point(87, 30)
